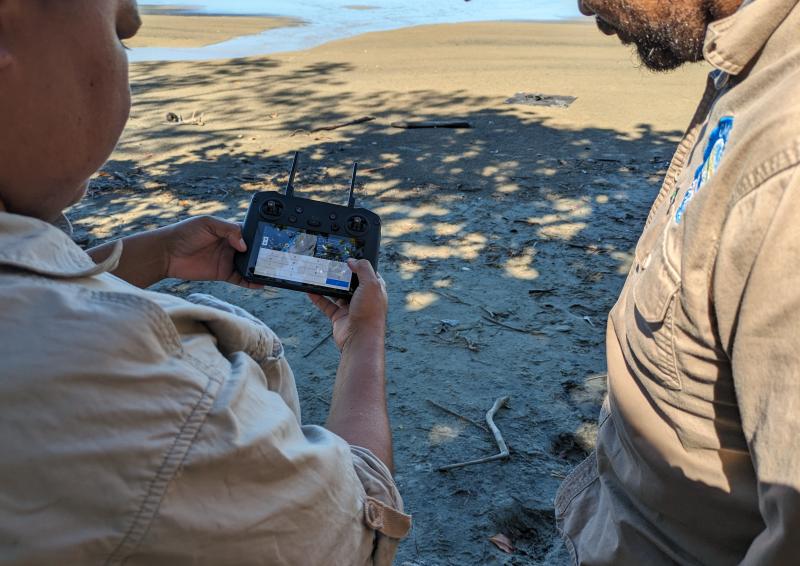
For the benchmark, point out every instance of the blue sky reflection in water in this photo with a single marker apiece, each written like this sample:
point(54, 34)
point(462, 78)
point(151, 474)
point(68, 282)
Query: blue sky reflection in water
point(328, 20)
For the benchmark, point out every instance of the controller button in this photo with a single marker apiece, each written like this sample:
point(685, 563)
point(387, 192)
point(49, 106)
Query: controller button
point(332, 217)
point(299, 210)
point(334, 227)
point(293, 219)
point(314, 223)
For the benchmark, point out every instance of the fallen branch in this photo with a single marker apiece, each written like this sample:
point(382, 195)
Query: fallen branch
point(430, 124)
point(498, 437)
point(332, 127)
point(319, 345)
point(343, 124)
point(462, 417)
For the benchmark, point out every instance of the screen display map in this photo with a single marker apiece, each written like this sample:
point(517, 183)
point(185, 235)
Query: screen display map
point(298, 256)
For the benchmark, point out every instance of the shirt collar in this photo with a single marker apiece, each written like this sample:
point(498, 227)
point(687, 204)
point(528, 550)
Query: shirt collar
point(733, 42)
point(32, 245)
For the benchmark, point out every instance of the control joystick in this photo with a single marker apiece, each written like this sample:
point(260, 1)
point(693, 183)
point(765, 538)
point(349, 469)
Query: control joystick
point(357, 224)
point(272, 208)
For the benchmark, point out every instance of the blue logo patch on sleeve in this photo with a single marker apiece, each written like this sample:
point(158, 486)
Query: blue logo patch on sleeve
point(715, 149)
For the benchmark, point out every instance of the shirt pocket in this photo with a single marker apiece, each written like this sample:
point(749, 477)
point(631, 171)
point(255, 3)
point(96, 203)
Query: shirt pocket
point(651, 337)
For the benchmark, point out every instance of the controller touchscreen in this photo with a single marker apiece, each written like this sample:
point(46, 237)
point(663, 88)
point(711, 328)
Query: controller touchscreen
point(293, 254)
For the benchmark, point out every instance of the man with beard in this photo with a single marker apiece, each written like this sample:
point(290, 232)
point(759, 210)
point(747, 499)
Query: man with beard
point(696, 459)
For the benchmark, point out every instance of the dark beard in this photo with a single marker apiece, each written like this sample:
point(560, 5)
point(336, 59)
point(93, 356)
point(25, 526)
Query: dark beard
point(658, 58)
point(664, 50)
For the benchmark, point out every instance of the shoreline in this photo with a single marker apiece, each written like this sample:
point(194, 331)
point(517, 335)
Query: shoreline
point(199, 31)
point(246, 41)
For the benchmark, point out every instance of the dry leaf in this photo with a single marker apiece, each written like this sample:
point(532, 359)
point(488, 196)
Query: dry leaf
point(502, 542)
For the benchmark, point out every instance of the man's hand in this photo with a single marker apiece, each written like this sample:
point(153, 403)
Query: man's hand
point(198, 249)
point(366, 312)
point(202, 249)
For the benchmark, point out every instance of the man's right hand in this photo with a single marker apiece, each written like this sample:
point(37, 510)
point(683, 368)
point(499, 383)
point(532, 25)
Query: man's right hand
point(358, 408)
point(365, 315)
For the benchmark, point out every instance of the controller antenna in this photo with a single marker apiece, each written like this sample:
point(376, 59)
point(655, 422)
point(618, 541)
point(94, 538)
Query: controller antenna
point(352, 201)
point(290, 184)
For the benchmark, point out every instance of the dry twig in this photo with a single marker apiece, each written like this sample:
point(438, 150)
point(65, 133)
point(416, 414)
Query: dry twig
point(343, 124)
point(514, 328)
point(450, 296)
point(431, 124)
point(462, 417)
point(319, 345)
point(498, 436)
point(332, 127)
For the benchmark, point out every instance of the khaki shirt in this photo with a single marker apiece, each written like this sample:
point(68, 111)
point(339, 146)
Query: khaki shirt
point(140, 428)
point(698, 454)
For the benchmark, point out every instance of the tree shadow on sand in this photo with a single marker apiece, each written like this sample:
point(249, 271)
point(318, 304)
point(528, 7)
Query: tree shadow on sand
point(504, 247)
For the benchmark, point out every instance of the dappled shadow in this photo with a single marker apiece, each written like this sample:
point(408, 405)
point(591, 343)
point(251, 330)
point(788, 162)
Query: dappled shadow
point(504, 247)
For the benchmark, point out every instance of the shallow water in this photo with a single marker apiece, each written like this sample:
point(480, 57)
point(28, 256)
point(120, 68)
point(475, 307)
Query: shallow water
point(328, 20)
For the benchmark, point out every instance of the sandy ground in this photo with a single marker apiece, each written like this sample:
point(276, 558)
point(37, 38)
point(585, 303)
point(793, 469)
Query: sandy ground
point(504, 245)
point(170, 30)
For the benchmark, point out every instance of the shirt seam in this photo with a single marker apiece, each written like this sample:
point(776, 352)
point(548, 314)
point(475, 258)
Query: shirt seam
point(780, 162)
point(753, 181)
point(759, 172)
point(685, 147)
point(581, 477)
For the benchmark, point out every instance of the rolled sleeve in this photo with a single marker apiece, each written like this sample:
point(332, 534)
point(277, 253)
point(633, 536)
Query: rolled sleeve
point(383, 510)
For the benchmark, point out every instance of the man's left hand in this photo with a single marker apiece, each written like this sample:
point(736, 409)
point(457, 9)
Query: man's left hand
point(202, 249)
point(198, 249)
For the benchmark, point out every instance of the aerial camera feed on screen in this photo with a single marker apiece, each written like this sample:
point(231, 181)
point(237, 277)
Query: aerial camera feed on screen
point(301, 257)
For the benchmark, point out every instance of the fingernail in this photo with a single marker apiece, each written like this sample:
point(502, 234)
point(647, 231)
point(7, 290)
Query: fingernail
point(242, 244)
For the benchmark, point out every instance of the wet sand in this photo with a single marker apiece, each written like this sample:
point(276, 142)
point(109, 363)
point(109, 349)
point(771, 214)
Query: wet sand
point(161, 28)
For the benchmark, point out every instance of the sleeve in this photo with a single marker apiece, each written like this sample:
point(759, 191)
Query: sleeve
point(384, 506)
point(257, 487)
point(757, 300)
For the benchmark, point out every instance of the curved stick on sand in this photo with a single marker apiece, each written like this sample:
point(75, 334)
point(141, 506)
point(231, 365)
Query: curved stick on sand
point(498, 436)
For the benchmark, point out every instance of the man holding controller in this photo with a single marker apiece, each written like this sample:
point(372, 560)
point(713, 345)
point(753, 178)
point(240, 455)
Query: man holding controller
point(137, 427)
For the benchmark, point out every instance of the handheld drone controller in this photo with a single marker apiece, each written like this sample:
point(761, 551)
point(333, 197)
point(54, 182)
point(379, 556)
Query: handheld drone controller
point(303, 244)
